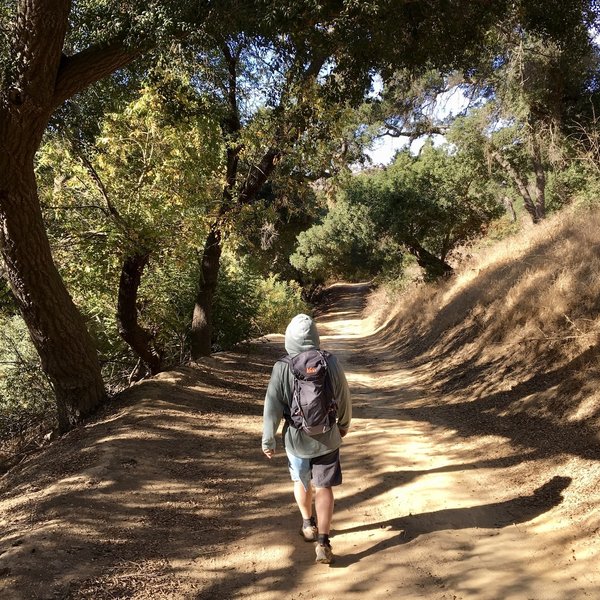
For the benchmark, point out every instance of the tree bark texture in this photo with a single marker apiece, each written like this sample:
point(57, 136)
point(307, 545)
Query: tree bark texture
point(138, 339)
point(540, 181)
point(202, 319)
point(57, 329)
point(210, 264)
point(38, 79)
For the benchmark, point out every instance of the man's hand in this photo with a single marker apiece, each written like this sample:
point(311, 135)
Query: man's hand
point(343, 432)
point(269, 453)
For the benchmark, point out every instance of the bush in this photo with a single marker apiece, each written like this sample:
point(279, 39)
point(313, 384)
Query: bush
point(248, 305)
point(279, 302)
point(26, 396)
point(236, 304)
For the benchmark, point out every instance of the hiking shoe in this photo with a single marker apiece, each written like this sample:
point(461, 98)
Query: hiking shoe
point(310, 533)
point(324, 554)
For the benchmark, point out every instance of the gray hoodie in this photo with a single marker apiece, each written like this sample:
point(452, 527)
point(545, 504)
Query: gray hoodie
point(300, 335)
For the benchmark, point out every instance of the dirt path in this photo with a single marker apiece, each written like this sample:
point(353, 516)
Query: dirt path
point(169, 496)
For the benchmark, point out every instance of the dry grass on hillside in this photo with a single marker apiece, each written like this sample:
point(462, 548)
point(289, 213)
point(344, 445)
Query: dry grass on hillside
point(517, 329)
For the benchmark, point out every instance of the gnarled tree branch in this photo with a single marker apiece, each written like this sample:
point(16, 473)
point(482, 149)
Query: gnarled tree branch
point(90, 65)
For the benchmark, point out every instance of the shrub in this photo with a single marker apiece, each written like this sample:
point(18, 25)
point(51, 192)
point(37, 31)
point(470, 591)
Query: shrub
point(248, 305)
point(26, 396)
point(236, 304)
point(279, 301)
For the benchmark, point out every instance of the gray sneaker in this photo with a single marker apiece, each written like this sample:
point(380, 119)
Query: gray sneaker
point(310, 533)
point(324, 554)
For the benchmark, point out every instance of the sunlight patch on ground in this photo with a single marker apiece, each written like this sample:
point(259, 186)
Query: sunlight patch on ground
point(345, 329)
point(387, 383)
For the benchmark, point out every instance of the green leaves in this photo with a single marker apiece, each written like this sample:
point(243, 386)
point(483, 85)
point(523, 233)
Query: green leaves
point(25, 394)
point(148, 183)
point(344, 245)
point(426, 205)
point(249, 304)
point(159, 162)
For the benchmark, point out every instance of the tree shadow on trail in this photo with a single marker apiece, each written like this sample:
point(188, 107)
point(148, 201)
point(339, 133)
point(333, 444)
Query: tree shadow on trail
point(393, 479)
point(149, 490)
point(488, 516)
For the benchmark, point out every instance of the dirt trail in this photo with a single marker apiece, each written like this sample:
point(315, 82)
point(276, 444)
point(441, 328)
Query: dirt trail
point(168, 496)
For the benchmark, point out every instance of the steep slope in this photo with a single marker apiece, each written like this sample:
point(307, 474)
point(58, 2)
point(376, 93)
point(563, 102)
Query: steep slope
point(515, 335)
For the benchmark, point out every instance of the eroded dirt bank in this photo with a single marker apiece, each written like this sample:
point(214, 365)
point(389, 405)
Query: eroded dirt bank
point(168, 495)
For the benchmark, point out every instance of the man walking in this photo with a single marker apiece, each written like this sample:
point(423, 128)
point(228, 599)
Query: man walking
point(309, 390)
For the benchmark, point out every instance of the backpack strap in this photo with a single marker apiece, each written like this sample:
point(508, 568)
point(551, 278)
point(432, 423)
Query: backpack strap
point(287, 359)
point(325, 355)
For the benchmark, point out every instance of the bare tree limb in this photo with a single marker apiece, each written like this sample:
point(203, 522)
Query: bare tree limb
point(395, 131)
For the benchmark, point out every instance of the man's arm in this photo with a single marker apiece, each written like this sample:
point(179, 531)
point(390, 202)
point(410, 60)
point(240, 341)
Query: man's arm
point(342, 396)
point(273, 409)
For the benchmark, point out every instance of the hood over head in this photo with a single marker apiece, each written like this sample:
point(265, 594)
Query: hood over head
point(301, 334)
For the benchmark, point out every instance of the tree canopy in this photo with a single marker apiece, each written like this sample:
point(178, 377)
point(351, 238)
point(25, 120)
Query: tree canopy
point(168, 139)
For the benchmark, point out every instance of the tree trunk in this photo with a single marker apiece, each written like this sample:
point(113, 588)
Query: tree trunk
point(540, 181)
point(140, 340)
point(434, 266)
point(202, 318)
point(202, 322)
point(528, 202)
point(57, 329)
point(510, 209)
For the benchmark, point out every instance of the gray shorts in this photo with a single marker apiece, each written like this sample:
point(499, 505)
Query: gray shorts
point(325, 471)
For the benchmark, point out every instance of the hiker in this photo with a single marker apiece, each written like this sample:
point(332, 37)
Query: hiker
point(311, 437)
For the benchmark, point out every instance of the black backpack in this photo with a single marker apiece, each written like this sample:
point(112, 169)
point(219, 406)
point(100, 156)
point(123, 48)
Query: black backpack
point(313, 408)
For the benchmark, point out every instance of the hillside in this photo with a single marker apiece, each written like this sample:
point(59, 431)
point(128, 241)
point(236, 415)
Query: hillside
point(471, 470)
point(515, 334)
